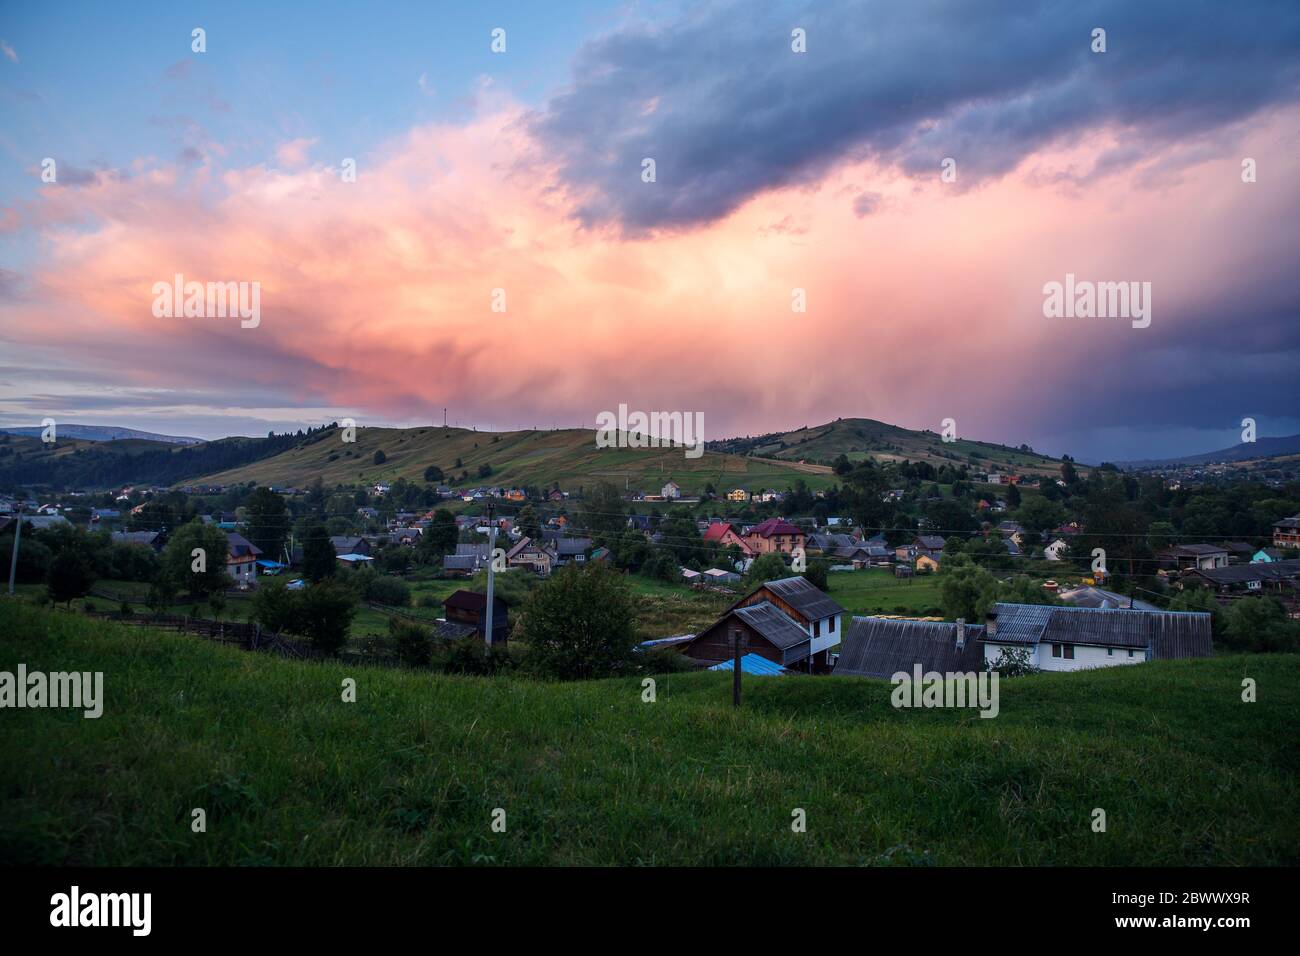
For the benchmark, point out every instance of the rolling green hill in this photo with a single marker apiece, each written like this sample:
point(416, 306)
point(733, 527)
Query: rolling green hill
point(860, 438)
point(587, 773)
point(567, 456)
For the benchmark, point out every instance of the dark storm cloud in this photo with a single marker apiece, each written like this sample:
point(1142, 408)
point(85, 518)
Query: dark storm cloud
point(725, 108)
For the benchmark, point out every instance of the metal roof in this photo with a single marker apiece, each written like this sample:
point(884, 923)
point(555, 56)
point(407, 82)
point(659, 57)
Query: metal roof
point(1166, 634)
point(752, 664)
point(805, 597)
point(878, 647)
point(779, 630)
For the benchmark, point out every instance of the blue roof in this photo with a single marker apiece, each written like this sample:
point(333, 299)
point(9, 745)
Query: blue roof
point(270, 564)
point(753, 664)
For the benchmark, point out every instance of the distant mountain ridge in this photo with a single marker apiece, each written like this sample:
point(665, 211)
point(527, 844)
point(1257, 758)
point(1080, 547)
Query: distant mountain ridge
point(1243, 451)
point(98, 433)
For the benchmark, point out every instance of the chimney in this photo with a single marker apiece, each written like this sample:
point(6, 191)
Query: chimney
point(961, 633)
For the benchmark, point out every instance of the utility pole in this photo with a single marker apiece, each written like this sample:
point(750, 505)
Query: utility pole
point(492, 547)
point(737, 642)
point(13, 562)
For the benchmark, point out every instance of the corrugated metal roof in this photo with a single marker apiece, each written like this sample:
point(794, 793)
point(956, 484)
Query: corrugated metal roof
point(752, 664)
point(804, 597)
point(877, 647)
point(1166, 634)
point(783, 633)
point(1021, 623)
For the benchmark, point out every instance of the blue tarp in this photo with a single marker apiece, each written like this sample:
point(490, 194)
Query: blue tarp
point(753, 664)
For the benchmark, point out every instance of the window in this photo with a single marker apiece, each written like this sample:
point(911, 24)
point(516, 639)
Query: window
point(1056, 650)
point(1130, 653)
point(817, 628)
point(1069, 652)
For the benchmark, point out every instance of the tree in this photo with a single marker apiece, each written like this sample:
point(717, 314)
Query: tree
point(267, 521)
point(411, 642)
point(195, 559)
point(580, 624)
point(602, 514)
point(766, 567)
point(325, 614)
point(379, 457)
point(1013, 496)
point(433, 474)
point(1259, 624)
point(439, 538)
point(817, 573)
point(318, 559)
point(275, 607)
point(528, 523)
point(1039, 514)
point(966, 590)
point(70, 575)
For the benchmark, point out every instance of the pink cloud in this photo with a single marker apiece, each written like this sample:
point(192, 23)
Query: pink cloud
point(294, 152)
point(376, 294)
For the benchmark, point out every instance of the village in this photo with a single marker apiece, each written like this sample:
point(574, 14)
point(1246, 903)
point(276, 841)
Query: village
point(814, 593)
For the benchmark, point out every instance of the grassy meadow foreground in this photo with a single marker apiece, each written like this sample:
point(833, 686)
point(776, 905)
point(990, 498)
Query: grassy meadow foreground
point(588, 773)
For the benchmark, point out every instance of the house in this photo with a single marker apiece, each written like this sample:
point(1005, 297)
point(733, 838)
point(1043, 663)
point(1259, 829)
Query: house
point(1239, 552)
point(789, 622)
point(144, 539)
point(691, 576)
point(882, 647)
point(370, 514)
point(926, 563)
point(349, 544)
point(775, 535)
point(671, 491)
point(1056, 550)
point(1281, 578)
point(42, 522)
point(469, 610)
point(930, 545)
point(564, 550)
point(739, 494)
point(1193, 557)
point(468, 558)
point(1013, 531)
point(241, 560)
point(1077, 638)
point(1265, 555)
point(530, 555)
point(1089, 596)
point(724, 535)
point(719, 576)
point(1286, 533)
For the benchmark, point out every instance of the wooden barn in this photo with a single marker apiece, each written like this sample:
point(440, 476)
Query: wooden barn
point(789, 622)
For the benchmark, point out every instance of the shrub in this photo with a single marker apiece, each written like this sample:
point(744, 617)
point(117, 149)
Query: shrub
point(580, 623)
point(383, 589)
point(411, 642)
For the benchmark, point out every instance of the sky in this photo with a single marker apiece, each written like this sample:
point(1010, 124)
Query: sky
point(854, 211)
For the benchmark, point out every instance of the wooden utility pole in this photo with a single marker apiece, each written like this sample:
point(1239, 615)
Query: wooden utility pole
point(737, 644)
point(492, 546)
point(13, 562)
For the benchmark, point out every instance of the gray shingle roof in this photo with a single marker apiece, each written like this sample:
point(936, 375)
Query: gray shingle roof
point(804, 597)
point(876, 647)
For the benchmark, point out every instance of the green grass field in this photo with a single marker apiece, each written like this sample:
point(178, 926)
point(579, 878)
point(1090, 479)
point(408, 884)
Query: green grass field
point(589, 774)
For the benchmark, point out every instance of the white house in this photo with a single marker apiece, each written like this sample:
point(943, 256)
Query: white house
point(671, 491)
point(1056, 550)
point(1078, 638)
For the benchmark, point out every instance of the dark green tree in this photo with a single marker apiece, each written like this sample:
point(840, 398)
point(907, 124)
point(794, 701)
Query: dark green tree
point(581, 624)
